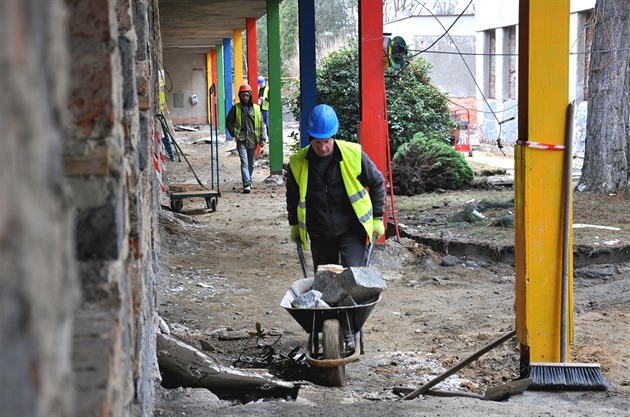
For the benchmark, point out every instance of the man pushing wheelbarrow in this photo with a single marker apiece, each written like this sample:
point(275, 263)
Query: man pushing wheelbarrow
point(335, 197)
point(327, 194)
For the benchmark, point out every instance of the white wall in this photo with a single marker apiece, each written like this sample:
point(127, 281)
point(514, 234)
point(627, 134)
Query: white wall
point(449, 71)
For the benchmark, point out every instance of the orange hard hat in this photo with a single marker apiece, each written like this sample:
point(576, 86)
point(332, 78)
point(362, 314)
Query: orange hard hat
point(245, 87)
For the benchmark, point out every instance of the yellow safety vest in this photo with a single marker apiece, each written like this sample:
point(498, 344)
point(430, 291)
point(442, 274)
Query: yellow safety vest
point(350, 170)
point(265, 95)
point(257, 121)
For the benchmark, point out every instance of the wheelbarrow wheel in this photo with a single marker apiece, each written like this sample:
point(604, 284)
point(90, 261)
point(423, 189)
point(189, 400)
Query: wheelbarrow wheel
point(211, 203)
point(177, 204)
point(332, 347)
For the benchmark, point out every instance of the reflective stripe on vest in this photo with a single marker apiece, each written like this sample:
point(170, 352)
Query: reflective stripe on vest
point(350, 169)
point(257, 121)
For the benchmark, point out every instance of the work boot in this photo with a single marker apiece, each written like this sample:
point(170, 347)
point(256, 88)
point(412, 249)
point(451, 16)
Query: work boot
point(247, 189)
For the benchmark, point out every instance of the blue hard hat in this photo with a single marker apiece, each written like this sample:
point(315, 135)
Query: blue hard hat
point(261, 80)
point(322, 123)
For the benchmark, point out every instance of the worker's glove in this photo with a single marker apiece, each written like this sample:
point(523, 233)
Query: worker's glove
point(295, 233)
point(378, 227)
point(260, 101)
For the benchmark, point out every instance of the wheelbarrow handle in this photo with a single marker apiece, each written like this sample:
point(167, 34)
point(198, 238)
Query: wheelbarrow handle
point(368, 252)
point(301, 256)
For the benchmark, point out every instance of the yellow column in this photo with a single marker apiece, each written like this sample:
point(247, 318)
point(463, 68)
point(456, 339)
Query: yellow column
point(543, 100)
point(238, 60)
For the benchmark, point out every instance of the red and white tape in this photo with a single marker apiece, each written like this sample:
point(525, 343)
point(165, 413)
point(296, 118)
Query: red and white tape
point(159, 161)
point(538, 145)
point(158, 172)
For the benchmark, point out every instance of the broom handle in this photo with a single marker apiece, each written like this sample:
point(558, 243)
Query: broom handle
point(423, 389)
point(566, 231)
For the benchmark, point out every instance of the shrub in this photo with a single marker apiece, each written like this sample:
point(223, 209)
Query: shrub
point(425, 164)
point(413, 105)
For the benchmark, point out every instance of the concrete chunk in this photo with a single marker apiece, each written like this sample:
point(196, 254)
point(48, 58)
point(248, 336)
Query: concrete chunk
point(360, 283)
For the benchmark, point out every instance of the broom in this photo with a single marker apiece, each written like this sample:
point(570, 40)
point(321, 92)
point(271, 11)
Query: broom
point(566, 375)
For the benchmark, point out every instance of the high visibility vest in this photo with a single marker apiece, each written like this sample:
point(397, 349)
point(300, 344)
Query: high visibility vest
point(350, 170)
point(265, 96)
point(257, 121)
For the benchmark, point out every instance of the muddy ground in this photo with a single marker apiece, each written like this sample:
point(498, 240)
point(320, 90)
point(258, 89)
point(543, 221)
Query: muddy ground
point(224, 271)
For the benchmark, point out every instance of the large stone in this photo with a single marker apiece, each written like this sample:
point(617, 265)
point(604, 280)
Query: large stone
point(336, 283)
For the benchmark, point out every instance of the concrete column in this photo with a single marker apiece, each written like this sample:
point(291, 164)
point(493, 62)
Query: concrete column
point(275, 83)
point(543, 92)
point(222, 111)
point(308, 78)
point(373, 133)
point(501, 68)
point(252, 56)
point(228, 84)
point(238, 59)
point(208, 86)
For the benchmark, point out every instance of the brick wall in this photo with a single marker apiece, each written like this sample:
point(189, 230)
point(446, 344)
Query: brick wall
point(78, 212)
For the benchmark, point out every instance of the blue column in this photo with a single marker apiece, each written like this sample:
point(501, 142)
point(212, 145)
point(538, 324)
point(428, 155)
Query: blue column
point(227, 77)
point(308, 88)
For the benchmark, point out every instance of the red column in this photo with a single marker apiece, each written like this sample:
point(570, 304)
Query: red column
point(252, 57)
point(373, 123)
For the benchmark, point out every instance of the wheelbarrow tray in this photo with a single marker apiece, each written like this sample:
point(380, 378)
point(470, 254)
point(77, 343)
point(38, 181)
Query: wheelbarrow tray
point(312, 319)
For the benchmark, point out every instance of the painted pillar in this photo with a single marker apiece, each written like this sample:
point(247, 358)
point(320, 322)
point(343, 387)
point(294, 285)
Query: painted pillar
point(238, 59)
point(221, 90)
point(275, 84)
point(308, 80)
point(252, 56)
point(228, 81)
point(213, 58)
point(208, 85)
point(372, 127)
point(227, 78)
point(543, 99)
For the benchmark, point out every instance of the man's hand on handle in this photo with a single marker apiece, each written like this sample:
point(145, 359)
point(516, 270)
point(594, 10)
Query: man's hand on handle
point(378, 227)
point(295, 233)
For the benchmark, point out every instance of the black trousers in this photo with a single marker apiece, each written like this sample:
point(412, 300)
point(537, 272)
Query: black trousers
point(347, 249)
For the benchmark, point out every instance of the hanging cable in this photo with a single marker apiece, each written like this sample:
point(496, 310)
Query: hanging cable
point(498, 140)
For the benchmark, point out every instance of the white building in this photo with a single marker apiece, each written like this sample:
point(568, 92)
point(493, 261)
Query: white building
point(497, 68)
point(423, 35)
point(487, 44)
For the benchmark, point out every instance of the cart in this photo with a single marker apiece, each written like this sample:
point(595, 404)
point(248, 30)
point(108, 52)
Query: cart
point(325, 328)
point(210, 195)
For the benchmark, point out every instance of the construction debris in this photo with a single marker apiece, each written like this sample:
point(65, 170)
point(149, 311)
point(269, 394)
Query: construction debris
point(196, 368)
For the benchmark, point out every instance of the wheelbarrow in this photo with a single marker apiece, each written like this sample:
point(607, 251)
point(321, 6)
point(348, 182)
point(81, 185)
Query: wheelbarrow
point(325, 328)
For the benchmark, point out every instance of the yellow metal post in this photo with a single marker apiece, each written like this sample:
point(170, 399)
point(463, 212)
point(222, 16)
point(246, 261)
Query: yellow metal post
point(543, 100)
point(238, 60)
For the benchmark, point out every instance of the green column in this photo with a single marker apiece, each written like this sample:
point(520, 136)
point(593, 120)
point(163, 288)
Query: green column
point(275, 85)
point(220, 89)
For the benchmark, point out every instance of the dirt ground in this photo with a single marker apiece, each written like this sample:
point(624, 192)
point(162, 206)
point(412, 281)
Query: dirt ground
point(223, 272)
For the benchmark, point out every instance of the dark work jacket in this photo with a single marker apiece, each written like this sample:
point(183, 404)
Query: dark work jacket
point(328, 209)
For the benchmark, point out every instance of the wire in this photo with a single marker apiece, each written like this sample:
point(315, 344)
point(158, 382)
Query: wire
point(446, 30)
point(447, 98)
point(599, 15)
point(601, 51)
point(470, 72)
point(167, 76)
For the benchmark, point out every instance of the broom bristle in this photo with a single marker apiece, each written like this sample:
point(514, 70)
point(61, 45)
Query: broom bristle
point(567, 377)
